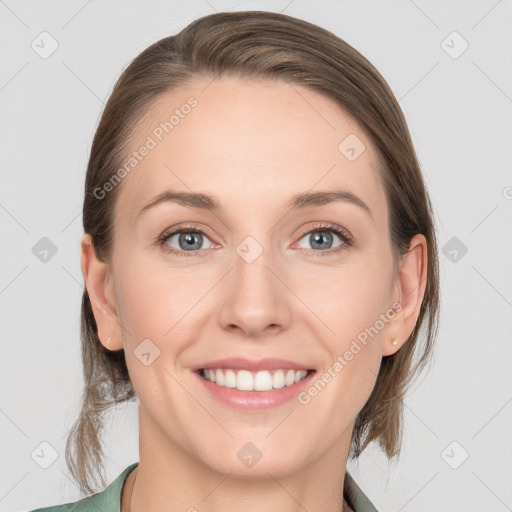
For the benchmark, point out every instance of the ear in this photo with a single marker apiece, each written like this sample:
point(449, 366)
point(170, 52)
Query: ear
point(99, 284)
point(410, 290)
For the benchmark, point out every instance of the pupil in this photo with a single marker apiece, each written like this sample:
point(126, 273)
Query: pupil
point(190, 241)
point(318, 238)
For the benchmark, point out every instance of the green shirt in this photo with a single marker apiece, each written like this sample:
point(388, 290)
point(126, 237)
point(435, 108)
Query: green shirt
point(109, 500)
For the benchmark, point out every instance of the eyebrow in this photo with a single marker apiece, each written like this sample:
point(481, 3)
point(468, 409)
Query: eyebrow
point(299, 201)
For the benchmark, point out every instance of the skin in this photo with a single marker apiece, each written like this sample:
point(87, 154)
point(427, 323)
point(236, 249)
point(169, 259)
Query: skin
point(250, 144)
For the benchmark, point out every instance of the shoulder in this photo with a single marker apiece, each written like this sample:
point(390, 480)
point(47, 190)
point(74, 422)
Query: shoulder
point(108, 500)
point(355, 496)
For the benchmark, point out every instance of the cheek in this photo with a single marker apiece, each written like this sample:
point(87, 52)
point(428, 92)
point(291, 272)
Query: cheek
point(151, 305)
point(347, 299)
point(150, 312)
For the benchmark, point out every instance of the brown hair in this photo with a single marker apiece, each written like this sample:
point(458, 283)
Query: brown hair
point(257, 45)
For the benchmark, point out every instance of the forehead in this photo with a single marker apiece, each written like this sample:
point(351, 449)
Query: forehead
point(249, 143)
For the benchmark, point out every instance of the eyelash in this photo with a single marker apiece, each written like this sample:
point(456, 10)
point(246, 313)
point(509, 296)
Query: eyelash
point(345, 236)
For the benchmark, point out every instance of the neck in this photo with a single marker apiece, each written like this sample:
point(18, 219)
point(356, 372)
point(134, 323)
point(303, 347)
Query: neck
point(171, 479)
point(132, 478)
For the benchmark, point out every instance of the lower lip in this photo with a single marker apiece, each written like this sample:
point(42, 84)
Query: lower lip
point(254, 400)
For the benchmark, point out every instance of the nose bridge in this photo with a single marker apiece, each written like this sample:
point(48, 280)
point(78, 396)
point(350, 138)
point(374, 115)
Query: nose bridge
point(254, 282)
point(255, 297)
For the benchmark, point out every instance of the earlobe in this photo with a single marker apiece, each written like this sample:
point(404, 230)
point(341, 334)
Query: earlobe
point(411, 284)
point(98, 281)
point(390, 346)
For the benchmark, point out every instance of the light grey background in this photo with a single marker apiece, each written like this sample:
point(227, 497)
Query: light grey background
point(459, 113)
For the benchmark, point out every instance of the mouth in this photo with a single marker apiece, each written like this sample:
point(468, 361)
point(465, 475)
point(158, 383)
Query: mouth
point(262, 380)
point(252, 385)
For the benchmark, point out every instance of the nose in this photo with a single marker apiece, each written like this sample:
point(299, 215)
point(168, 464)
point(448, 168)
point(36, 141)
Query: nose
point(255, 299)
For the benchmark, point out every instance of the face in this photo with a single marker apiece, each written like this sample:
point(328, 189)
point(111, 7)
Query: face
point(264, 283)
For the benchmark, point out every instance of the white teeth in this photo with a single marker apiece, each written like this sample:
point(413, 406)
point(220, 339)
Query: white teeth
point(245, 380)
point(263, 381)
point(230, 379)
point(278, 379)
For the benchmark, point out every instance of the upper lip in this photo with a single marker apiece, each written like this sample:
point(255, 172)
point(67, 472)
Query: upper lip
point(240, 363)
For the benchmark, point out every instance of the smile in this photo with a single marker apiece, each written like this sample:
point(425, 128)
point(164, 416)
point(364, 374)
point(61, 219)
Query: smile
point(244, 380)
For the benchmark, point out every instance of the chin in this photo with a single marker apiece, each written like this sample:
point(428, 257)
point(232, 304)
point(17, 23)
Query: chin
point(250, 463)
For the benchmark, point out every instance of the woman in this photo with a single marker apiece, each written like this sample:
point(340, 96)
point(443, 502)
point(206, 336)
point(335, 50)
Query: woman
point(262, 362)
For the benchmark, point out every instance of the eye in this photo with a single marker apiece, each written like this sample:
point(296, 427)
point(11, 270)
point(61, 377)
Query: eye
point(189, 239)
point(321, 239)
